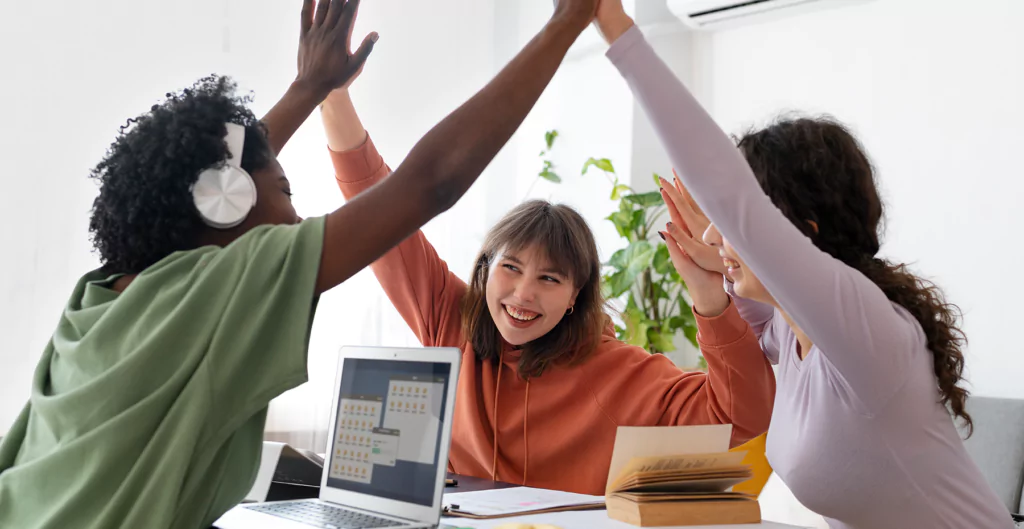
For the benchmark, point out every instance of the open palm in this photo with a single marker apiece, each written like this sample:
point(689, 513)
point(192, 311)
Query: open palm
point(690, 223)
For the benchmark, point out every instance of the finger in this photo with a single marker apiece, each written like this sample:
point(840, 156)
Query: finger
point(348, 21)
point(687, 196)
point(363, 53)
point(678, 184)
point(337, 10)
point(678, 232)
point(681, 207)
point(682, 262)
point(698, 250)
point(673, 212)
point(306, 17)
point(695, 222)
point(321, 12)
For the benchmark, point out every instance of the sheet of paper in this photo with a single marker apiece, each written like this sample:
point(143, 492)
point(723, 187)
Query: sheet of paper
point(515, 499)
point(653, 441)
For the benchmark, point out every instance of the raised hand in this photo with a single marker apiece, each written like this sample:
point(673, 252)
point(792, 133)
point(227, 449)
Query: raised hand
point(580, 11)
point(612, 20)
point(689, 224)
point(326, 61)
point(698, 264)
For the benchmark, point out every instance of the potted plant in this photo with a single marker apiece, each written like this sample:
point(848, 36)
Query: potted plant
point(656, 303)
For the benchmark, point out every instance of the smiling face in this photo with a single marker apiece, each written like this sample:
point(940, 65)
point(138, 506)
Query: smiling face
point(527, 294)
point(744, 282)
point(536, 285)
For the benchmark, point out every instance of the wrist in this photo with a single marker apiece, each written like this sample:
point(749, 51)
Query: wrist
point(709, 302)
point(339, 97)
point(308, 91)
point(568, 24)
point(612, 27)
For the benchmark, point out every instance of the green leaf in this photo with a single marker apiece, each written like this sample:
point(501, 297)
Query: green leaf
point(618, 284)
point(659, 291)
point(657, 179)
point(691, 334)
point(702, 363)
point(661, 342)
point(606, 286)
point(549, 138)
point(645, 200)
point(636, 326)
point(618, 190)
point(603, 164)
point(639, 216)
point(623, 220)
point(618, 260)
point(676, 322)
point(684, 310)
point(663, 260)
point(550, 176)
point(631, 261)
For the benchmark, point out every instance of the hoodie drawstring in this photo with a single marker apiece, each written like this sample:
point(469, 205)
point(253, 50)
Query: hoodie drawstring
point(494, 418)
point(526, 429)
point(494, 422)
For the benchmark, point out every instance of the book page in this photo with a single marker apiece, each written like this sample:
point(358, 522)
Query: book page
point(659, 441)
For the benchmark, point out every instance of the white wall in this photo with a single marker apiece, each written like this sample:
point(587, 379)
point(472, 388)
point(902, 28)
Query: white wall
point(934, 91)
point(72, 73)
point(99, 63)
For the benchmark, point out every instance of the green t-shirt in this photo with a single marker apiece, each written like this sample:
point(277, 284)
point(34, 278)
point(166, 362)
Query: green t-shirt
point(148, 407)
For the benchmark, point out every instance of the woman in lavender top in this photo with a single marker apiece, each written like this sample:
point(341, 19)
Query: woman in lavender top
point(869, 356)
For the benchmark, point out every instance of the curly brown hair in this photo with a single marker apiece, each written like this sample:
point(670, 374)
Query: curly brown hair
point(814, 169)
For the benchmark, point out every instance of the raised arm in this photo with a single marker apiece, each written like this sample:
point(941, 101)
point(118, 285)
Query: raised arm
point(442, 165)
point(846, 315)
point(325, 64)
point(414, 277)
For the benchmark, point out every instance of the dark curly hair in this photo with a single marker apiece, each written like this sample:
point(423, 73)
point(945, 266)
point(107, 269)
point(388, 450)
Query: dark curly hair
point(144, 211)
point(814, 169)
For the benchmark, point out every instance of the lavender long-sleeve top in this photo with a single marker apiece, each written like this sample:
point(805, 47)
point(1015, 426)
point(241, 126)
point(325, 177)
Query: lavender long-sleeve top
point(858, 432)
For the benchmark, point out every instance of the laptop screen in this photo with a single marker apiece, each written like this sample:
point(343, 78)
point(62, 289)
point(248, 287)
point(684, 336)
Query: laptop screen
point(387, 439)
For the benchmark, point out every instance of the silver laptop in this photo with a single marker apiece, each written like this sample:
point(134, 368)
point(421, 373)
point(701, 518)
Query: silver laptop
point(388, 449)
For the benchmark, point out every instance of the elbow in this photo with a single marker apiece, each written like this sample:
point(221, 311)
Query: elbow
point(442, 189)
point(442, 195)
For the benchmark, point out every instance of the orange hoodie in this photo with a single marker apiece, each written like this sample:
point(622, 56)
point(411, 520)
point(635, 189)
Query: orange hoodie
point(556, 431)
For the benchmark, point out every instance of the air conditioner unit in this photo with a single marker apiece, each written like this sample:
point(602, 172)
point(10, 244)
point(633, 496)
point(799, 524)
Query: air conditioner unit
point(717, 14)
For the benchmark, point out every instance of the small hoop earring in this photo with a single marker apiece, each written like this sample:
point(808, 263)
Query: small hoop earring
point(570, 311)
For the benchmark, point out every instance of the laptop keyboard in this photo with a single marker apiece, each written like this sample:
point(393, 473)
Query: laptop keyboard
point(325, 516)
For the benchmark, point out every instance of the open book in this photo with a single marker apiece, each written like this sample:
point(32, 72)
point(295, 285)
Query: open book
point(651, 483)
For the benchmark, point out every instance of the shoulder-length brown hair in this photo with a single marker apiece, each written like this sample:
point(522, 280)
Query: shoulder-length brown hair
point(567, 242)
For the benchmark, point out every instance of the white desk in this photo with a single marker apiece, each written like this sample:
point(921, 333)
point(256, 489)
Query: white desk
point(587, 520)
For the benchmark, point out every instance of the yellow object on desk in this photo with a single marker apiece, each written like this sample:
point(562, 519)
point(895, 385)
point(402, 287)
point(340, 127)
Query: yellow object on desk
point(758, 462)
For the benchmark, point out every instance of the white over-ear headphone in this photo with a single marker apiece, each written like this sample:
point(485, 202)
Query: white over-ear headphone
point(225, 193)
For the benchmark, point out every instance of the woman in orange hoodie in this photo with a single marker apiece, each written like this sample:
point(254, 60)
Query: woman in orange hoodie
point(544, 382)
